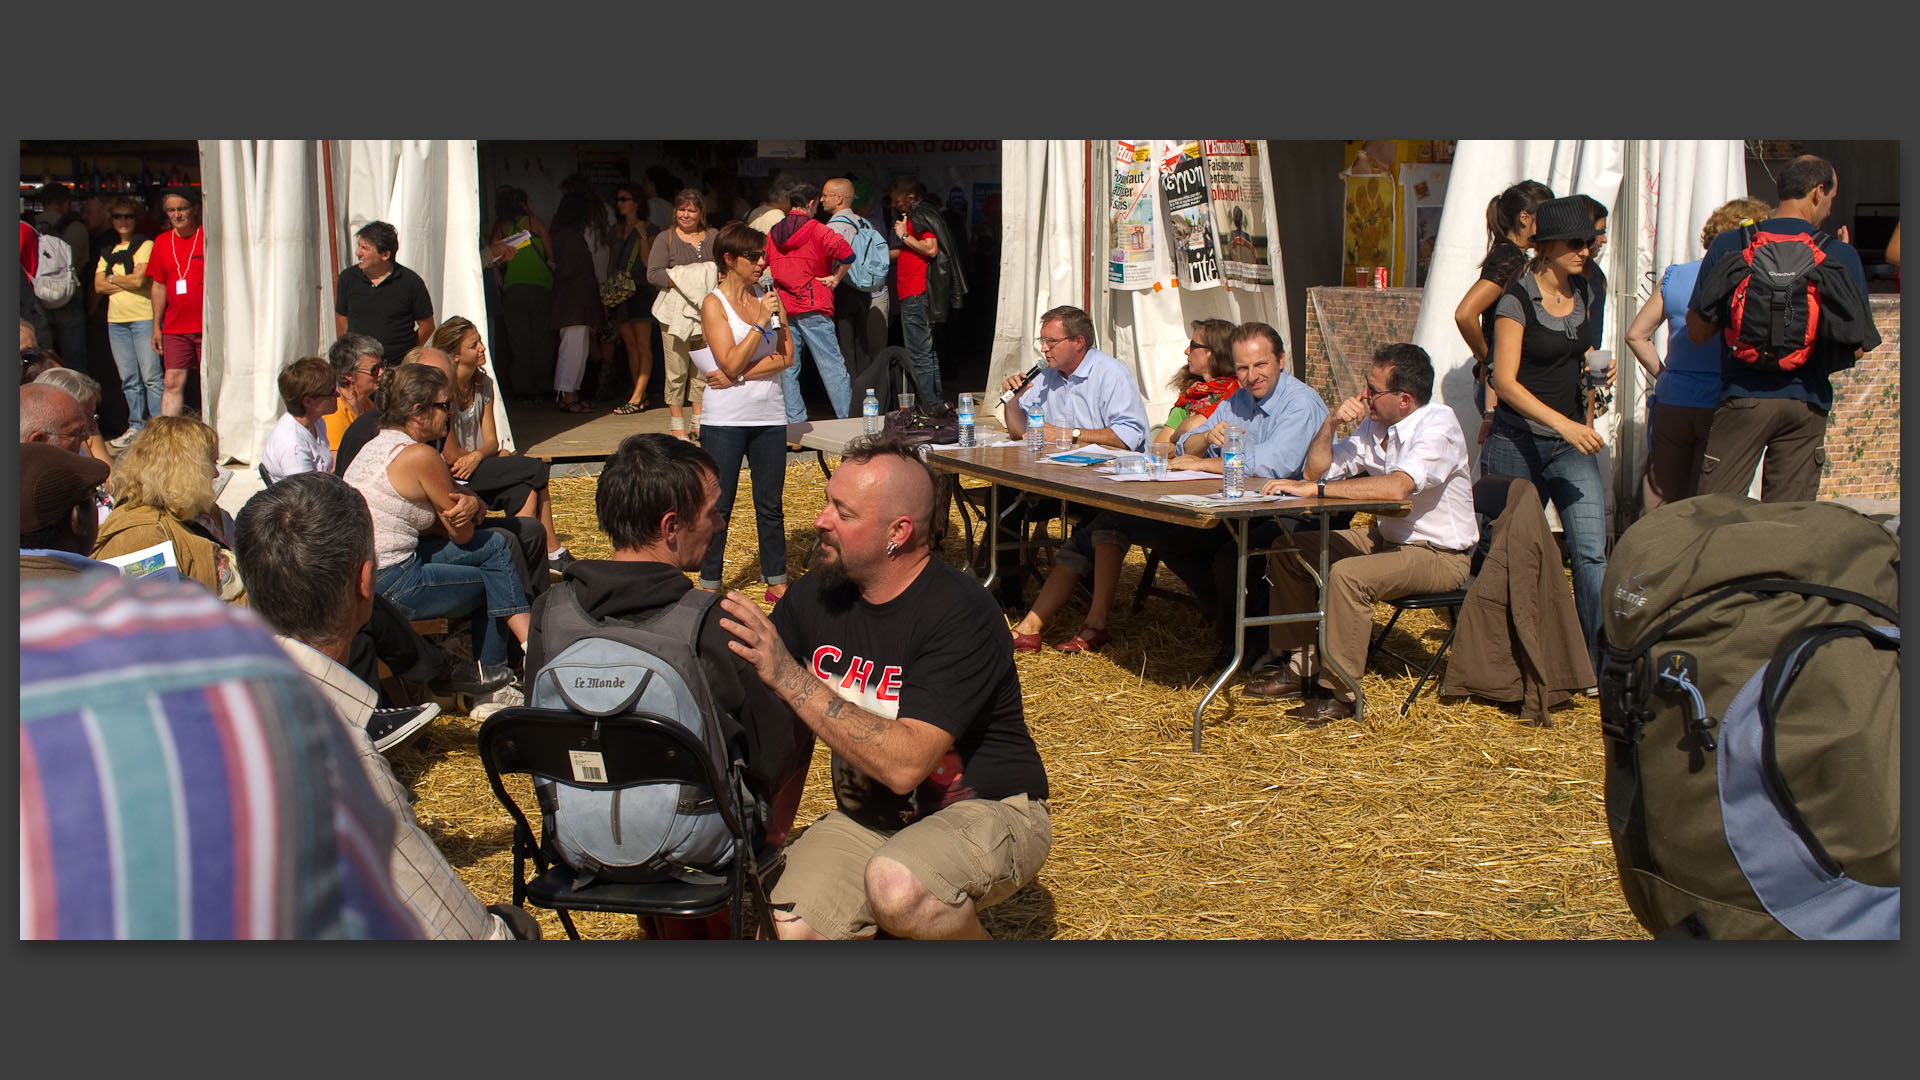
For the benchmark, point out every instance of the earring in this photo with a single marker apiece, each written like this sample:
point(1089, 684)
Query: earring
point(893, 547)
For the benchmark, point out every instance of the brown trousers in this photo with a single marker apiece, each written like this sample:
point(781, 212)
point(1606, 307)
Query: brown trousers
point(1362, 569)
point(1792, 433)
point(1679, 436)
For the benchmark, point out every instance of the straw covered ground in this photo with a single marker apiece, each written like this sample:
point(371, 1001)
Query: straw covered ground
point(1456, 821)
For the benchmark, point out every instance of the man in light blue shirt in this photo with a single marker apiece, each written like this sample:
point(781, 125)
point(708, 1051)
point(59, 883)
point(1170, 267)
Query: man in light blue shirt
point(1086, 395)
point(1279, 414)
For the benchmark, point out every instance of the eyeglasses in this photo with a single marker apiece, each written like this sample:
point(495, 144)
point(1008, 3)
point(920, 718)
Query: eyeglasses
point(1197, 345)
point(443, 406)
point(1046, 343)
point(1369, 393)
point(622, 198)
point(124, 217)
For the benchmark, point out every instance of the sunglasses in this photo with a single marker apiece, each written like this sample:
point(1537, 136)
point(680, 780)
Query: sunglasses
point(1196, 345)
point(623, 198)
point(443, 406)
point(124, 217)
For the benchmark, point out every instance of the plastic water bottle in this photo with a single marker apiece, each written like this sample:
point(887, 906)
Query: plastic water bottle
point(870, 413)
point(966, 420)
point(1036, 429)
point(1233, 468)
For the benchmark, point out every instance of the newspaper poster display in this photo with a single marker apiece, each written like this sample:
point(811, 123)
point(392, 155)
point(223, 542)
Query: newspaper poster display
point(1190, 238)
point(1239, 211)
point(1423, 192)
point(1130, 217)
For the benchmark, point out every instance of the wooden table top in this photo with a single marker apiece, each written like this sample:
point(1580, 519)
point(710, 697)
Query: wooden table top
point(1015, 466)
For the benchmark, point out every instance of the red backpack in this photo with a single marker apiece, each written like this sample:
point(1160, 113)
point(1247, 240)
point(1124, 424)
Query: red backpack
point(1775, 309)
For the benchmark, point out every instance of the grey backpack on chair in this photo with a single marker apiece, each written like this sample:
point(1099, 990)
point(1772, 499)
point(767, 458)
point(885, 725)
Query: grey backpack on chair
point(610, 668)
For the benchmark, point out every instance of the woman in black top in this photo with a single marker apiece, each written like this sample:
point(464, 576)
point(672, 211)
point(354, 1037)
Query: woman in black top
point(633, 317)
point(1540, 342)
point(1510, 221)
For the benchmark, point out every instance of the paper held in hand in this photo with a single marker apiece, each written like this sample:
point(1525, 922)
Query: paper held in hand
point(158, 562)
point(703, 359)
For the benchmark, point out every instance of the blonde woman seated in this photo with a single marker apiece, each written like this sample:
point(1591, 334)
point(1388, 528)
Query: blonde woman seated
point(163, 489)
point(1101, 544)
point(298, 442)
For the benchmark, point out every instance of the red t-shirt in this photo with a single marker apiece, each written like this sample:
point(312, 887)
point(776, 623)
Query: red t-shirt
point(29, 250)
point(175, 259)
point(910, 270)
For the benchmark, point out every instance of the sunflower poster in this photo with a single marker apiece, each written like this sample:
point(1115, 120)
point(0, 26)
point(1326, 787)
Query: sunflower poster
point(1368, 233)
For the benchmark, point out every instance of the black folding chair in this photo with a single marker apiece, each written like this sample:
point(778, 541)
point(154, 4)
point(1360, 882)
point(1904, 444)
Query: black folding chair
point(631, 750)
point(1489, 501)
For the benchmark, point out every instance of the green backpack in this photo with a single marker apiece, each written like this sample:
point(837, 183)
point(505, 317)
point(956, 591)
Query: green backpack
point(1750, 704)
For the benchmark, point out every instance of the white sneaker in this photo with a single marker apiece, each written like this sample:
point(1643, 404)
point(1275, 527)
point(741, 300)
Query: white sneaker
point(121, 441)
point(504, 698)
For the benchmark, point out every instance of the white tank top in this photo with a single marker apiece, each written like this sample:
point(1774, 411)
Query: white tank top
point(397, 522)
point(756, 402)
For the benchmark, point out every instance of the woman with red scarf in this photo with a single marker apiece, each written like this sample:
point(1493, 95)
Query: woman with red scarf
point(1102, 543)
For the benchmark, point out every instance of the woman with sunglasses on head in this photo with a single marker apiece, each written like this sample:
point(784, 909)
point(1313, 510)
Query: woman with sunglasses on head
point(633, 317)
point(1510, 218)
point(428, 558)
point(746, 412)
point(121, 277)
point(1541, 336)
point(506, 482)
point(1101, 544)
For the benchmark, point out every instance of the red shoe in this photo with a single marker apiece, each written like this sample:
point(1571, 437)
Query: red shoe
point(770, 598)
point(1026, 642)
point(1087, 640)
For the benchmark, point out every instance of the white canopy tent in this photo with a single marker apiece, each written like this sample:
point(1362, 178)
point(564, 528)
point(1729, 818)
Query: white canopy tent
point(1051, 191)
point(280, 217)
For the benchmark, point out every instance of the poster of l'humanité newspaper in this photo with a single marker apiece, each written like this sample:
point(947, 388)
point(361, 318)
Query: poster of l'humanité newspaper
point(1190, 238)
point(1239, 211)
point(1130, 230)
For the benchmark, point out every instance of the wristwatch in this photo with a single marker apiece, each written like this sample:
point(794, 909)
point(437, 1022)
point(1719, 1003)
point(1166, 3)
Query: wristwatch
point(1323, 488)
point(1076, 435)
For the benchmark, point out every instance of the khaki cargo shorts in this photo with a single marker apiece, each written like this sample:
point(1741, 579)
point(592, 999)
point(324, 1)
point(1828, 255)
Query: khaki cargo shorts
point(984, 849)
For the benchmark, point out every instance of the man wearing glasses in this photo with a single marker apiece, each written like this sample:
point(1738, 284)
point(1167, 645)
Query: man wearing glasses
point(1406, 447)
point(177, 274)
point(1087, 396)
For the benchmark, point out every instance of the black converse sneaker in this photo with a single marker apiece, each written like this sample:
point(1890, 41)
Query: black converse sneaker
point(389, 728)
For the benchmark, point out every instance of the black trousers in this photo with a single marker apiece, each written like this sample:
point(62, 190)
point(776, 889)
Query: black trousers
point(389, 636)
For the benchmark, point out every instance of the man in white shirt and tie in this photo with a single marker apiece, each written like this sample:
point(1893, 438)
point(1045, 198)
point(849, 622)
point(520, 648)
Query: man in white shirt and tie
point(1406, 447)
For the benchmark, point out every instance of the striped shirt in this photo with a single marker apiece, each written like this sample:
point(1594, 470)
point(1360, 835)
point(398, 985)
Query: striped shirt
point(179, 778)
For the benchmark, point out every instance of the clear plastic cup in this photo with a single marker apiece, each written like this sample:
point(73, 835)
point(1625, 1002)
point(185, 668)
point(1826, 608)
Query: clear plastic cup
point(906, 401)
point(1157, 457)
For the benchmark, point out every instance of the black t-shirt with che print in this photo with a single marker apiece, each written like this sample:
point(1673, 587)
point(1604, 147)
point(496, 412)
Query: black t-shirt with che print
point(938, 653)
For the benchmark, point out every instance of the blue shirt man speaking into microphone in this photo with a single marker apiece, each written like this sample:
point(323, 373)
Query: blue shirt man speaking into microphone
point(1086, 395)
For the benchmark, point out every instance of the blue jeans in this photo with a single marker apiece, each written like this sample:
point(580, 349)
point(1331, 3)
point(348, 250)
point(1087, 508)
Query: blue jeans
point(918, 332)
point(477, 578)
point(139, 367)
point(813, 332)
point(765, 451)
point(69, 325)
point(1571, 481)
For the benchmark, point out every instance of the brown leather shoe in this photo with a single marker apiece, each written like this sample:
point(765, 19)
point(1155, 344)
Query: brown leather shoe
point(1279, 683)
point(1320, 712)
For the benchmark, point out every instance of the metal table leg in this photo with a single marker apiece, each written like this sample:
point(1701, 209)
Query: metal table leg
point(1347, 680)
point(990, 535)
point(1240, 529)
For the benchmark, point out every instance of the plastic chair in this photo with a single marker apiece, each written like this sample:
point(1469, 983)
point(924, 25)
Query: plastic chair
point(1489, 501)
point(633, 750)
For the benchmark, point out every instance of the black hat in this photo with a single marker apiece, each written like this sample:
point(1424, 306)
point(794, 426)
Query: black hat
point(53, 482)
point(1570, 218)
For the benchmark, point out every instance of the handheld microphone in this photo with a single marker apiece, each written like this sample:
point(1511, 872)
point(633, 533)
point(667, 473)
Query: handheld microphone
point(1025, 381)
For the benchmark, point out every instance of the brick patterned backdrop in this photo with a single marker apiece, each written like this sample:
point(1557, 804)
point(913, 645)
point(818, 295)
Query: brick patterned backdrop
point(1345, 325)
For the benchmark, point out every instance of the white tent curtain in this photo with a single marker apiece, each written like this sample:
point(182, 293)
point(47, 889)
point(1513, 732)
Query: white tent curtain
point(429, 191)
point(266, 257)
point(1655, 220)
point(1043, 259)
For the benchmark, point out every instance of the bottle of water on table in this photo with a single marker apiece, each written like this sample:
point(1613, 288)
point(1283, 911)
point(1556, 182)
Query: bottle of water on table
point(1233, 469)
point(1036, 429)
point(870, 413)
point(966, 420)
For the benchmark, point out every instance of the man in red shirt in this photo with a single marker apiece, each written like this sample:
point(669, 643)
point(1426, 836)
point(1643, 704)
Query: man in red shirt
point(808, 260)
point(918, 247)
point(178, 272)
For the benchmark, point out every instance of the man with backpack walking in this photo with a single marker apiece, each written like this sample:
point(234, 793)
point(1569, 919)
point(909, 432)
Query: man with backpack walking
point(860, 293)
point(906, 672)
point(63, 239)
point(1790, 303)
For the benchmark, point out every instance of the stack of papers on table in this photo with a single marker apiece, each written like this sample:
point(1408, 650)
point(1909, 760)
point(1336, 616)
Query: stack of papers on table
point(1214, 502)
point(1082, 456)
point(1170, 474)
